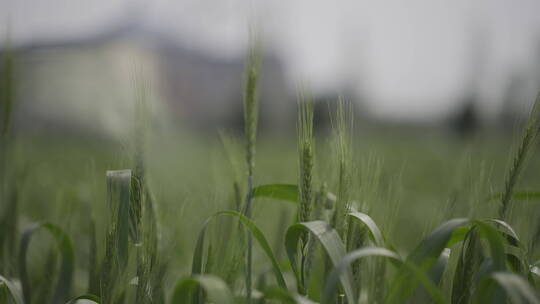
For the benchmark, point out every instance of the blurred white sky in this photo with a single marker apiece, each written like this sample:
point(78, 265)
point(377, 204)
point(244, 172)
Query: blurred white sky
point(412, 58)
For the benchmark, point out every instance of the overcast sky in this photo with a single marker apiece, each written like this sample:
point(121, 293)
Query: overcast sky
point(409, 58)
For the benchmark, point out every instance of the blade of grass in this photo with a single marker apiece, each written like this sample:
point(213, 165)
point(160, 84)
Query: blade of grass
point(431, 247)
point(93, 273)
point(330, 288)
point(514, 286)
point(285, 192)
point(13, 291)
point(364, 219)
point(468, 265)
point(511, 235)
point(197, 264)
point(7, 81)
point(119, 196)
point(112, 277)
point(216, 290)
point(9, 211)
point(65, 247)
point(330, 241)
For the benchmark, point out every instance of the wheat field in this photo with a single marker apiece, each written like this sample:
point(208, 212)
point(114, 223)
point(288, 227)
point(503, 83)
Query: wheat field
point(336, 216)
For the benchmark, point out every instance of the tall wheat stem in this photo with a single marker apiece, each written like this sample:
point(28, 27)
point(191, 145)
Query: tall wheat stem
point(305, 178)
point(251, 104)
point(530, 135)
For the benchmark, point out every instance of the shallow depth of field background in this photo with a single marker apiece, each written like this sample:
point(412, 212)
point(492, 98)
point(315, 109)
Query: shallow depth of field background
point(440, 91)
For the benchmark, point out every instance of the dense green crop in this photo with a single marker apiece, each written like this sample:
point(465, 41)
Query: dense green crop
point(332, 251)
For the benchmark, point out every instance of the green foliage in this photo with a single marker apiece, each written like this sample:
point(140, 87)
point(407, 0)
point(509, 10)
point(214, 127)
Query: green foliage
point(65, 276)
point(251, 104)
point(215, 289)
point(7, 88)
point(305, 158)
point(285, 192)
point(336, 251)
point(374, 231)
point(10, 292)
point(468, 265)
point(198, 254)
point(530, 135)
point(251, 118)
point(330, 241)
point(518, 290)
point(9, 210)
point(343, 129)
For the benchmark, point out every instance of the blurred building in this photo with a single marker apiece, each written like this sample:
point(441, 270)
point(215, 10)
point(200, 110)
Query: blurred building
point(88, 84)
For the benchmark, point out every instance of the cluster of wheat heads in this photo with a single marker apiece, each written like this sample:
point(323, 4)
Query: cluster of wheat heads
point(464, 260)
point(335, 251)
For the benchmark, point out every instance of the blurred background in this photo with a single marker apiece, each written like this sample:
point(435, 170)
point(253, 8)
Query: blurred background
point(442, 63)
point(439, 90)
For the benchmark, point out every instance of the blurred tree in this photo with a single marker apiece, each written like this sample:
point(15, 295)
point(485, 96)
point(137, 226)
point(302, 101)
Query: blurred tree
point(466, 119)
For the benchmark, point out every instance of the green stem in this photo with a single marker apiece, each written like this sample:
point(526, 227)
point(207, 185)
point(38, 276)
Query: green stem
point(249, 240)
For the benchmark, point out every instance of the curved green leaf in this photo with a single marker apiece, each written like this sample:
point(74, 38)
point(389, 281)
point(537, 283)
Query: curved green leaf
point(13, 291)
point(65, 247)
point(437, 270)
point(197, 264)
point(89, 297)
point(331, 243)
point(516, 264)
point(469, 262)
point(458, 235)
point(510, 234)
point(431, 247)
point(286, 192)
point(331, 286)
point(496, 244)
point(514, 286)
point(119, 200)
point(506, 226)
point(375, 233)
point(216, 290)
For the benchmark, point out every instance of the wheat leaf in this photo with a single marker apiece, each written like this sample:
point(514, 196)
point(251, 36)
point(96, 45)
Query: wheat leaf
point(65, 247)
point(285, 192)
point(215, 289)
point(197, 265)
point(12, 290)
point(330, 241)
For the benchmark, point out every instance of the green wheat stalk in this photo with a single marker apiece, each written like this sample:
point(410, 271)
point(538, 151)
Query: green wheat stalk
point(251, 109)
point(319, 202)
point(305, 157)
point(530, 135)
point(343, 127)
point(305, 178)
point(143, 224)
point(8, 195)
